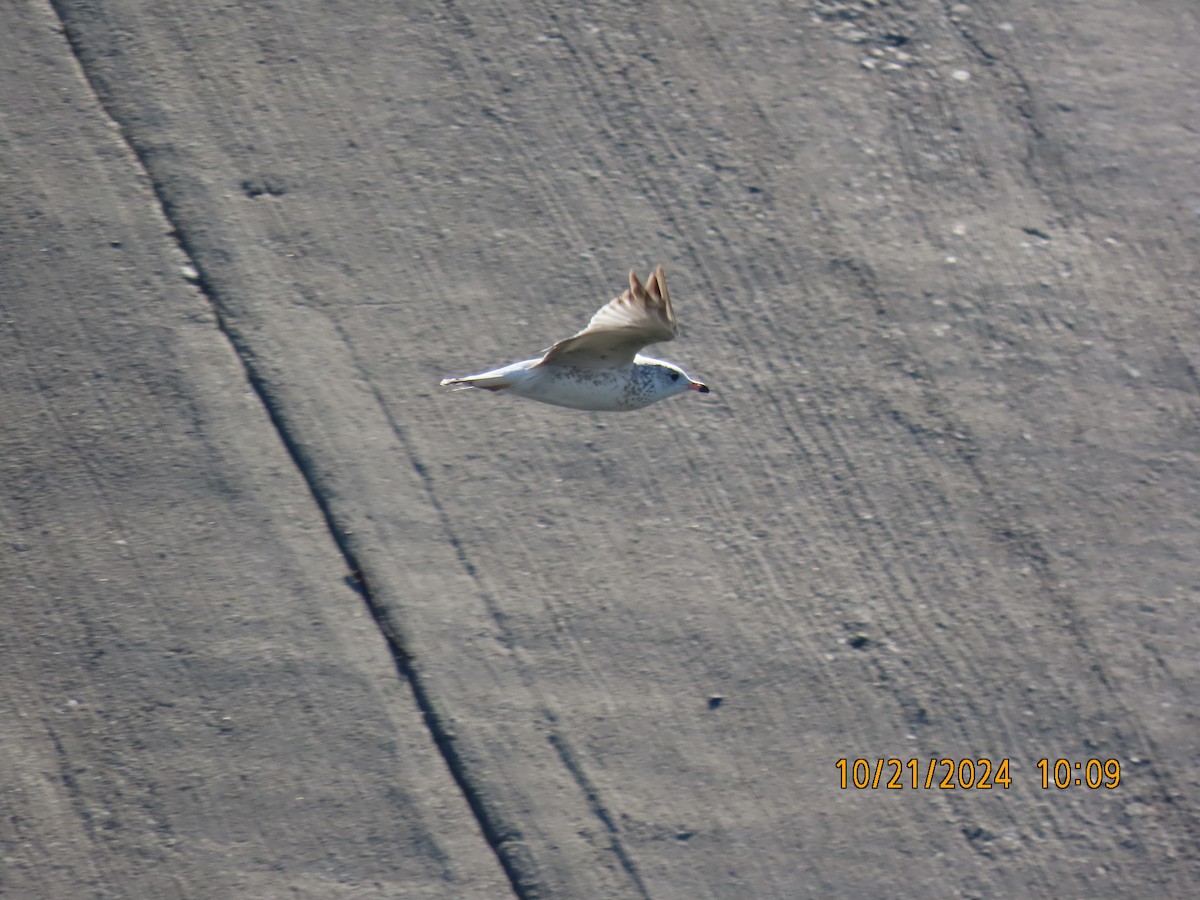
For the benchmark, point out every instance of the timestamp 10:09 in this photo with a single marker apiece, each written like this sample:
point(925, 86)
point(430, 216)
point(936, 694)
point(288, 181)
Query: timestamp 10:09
point(1091, 773)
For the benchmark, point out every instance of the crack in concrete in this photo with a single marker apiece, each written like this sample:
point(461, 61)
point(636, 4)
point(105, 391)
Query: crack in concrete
point(599, 810)
point(519, 872)
point(590, 792)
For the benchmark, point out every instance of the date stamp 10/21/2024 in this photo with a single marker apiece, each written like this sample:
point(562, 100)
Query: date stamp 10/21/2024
point(972, 774)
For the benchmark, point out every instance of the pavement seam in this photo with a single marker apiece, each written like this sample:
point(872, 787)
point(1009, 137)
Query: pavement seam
point(599, 810)
point(521, 877)
point(560, 744)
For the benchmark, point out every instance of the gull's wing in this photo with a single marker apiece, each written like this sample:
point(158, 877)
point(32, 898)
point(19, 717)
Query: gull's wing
point(626, 324)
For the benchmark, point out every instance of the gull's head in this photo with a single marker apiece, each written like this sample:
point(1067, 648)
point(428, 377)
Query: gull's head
point(670, 380)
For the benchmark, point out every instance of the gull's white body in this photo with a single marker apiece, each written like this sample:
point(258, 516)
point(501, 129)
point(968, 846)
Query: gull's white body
point(599, 368)
point(607, 390)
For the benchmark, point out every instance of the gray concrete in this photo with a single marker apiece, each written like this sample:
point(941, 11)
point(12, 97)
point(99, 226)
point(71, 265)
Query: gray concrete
point(938, 263)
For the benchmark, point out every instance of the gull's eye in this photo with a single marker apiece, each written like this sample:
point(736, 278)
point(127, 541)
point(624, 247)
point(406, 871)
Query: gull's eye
point(674, 376)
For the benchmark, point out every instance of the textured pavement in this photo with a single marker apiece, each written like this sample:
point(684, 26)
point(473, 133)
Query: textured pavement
point(287, 620)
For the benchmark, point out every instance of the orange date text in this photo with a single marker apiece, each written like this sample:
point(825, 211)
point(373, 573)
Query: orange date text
point(944, 774)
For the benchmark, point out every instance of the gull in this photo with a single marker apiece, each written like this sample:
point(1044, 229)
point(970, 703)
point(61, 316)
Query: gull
point(601, 368)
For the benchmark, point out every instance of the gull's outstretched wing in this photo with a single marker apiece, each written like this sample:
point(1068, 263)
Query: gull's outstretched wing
point(626, 324)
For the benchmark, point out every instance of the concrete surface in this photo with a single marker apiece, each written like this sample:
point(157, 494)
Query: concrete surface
point(288, 620)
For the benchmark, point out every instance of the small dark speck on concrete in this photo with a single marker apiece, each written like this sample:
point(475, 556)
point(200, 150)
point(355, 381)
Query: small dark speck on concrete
point(975, 833)
point(684, 835)
point(859, 641)
point(715, 701)
point(1036, 232)
point(260, 187)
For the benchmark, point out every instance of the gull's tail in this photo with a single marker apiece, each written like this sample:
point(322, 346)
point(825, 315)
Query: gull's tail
point(495, 380)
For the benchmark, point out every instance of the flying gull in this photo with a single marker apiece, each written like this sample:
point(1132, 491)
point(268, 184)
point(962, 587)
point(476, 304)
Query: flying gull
point(600, 368)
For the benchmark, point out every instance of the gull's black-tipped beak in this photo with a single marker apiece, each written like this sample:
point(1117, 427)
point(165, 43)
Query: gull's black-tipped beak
point(697, 386)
